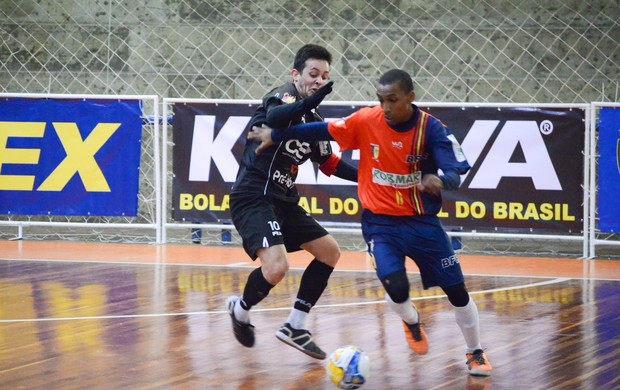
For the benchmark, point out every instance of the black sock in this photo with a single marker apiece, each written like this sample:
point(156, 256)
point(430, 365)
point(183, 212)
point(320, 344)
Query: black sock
point(313, 283)
point(256, 289)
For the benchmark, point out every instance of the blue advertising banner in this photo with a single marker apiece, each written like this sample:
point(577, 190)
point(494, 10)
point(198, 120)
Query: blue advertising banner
point(66, 157)
point(609, 170)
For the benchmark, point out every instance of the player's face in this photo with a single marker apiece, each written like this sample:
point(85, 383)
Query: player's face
point(395, 103)
point(314, 75)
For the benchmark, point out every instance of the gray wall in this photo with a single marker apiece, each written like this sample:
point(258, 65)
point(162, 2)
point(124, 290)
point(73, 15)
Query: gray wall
point(473, 51)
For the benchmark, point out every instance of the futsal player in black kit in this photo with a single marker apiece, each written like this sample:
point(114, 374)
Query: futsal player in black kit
point(264, 203)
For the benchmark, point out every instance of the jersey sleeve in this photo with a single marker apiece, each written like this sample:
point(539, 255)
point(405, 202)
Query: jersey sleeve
point(322, 152)
point(346, 131)
point(279, 114)
point(446, 149)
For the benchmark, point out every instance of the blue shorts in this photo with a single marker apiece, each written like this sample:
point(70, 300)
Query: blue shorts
point(422, 238)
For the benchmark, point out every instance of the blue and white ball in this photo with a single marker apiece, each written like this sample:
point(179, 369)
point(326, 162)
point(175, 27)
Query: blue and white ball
point(348, 367)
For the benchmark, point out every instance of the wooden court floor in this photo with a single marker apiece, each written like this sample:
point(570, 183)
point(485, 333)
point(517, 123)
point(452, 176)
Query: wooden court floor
point(127, 316)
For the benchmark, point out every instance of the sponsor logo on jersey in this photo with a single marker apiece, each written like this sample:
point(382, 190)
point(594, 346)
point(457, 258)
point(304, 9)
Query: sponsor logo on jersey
point(395, 180)
point(456, 149)
point(298, 150)
point(324, 148)
point(411, 159)
point(283, 178)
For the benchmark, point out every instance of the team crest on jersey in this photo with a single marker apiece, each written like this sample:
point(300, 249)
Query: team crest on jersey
point(374, 150)
point(288, 98)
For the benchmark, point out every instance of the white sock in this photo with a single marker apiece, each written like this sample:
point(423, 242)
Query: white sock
point(405, 310)
point(241, 314)
point(469, 322)
point(297, 319)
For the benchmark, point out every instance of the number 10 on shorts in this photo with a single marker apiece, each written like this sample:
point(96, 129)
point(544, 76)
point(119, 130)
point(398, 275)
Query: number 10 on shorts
point(275, 228)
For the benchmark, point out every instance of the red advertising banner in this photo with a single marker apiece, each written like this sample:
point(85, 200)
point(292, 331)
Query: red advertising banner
point(527, 167)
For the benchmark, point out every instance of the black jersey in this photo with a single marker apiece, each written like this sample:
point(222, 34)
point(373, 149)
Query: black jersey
point(274, 170)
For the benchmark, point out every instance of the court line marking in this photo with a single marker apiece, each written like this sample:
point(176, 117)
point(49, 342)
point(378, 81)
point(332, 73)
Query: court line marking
point(128, 316)
point(248, 264)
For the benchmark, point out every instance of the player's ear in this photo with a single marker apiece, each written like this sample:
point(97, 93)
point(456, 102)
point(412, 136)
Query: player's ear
point(412, 96)
point(295, 74)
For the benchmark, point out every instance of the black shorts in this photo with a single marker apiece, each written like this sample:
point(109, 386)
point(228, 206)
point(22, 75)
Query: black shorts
point(263, 222)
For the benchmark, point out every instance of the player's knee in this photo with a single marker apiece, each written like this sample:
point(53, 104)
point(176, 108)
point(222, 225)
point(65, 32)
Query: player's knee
point(275, 271)
point(457, 295)
point(397, 286)
point(333, 256)
point(325, 249)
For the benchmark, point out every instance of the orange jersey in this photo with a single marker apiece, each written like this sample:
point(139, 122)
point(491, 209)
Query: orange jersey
point(392, 163)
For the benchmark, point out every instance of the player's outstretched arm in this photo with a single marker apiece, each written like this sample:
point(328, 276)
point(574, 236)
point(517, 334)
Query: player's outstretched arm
point(313, 131)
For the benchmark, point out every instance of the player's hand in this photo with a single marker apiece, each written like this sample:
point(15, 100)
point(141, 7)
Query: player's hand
point(316, 98)
point(263, 135)
point(430, 183)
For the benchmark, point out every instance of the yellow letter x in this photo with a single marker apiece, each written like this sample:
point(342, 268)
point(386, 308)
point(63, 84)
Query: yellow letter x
point(80, 157)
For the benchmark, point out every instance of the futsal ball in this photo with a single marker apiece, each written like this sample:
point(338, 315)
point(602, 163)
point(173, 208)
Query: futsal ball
point(348, 367)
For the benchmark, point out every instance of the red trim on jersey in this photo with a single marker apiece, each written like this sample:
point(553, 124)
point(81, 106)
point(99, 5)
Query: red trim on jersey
point(329, 166)
point(417, 144)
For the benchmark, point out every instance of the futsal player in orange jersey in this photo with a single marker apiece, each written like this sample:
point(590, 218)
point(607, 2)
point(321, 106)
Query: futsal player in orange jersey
point(402, 149)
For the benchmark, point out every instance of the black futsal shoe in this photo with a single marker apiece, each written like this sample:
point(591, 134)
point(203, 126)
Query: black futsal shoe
point(300, 339)
point(244, 332)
